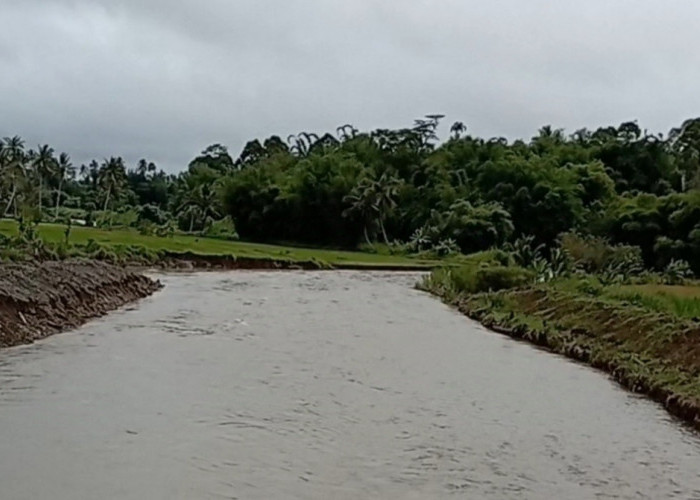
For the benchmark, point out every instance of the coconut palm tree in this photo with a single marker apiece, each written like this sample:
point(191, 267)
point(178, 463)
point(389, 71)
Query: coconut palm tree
point(346, 132)
point(91, 174)
point(363, 204)
point(200, 202)
point(112, 178)
point(373, 200)
point(44, 166)
point(64, 169)
point(12, 168)
point(457, 129)
point(685, 143)
point(386, 190)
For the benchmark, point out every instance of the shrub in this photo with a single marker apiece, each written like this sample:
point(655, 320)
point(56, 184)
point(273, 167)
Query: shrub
point(500, 278)
point(167, 229)
point(588, 253)
point(223, 229)
point(677, 272)
point(423, 239)
point(524, 251)
point(470, 279)
point(123, 218)
point(595, 255)
point(154, 214)
point(446, 247)
point(427, 241)
point(589, 285)
point(146, 227)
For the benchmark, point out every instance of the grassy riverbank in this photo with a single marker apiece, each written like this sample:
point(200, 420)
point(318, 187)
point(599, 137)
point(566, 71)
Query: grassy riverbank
point(646, 336)
point(129, 242)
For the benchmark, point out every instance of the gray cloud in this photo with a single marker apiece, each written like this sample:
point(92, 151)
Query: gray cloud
point(162, 79)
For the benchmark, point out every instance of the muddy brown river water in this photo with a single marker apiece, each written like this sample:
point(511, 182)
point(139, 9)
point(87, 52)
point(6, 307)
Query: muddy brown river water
point(326, 385)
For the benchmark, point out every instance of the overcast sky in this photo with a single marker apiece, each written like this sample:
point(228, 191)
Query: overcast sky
point(162, 79)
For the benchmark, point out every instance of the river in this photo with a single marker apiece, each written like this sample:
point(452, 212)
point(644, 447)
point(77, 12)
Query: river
point(323, 385)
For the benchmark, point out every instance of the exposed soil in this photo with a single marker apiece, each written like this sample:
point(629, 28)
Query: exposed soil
point(40, 299)
point(189, 260)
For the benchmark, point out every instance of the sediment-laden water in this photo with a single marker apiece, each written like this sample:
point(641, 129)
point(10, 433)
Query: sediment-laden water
point(320, 385)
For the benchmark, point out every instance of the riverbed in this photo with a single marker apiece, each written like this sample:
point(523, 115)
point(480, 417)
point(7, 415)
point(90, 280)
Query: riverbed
point(320, 385)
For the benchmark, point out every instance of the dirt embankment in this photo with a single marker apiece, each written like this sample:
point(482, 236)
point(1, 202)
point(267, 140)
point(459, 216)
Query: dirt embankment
point(40, 299)
point(189, 260)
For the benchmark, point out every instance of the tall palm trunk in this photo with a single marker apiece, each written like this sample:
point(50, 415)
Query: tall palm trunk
point(381, 225)
point(367, 236)
point(191, 222)
point(58, 197)
point(109, 191)
point(12, 199)
point(41, 189)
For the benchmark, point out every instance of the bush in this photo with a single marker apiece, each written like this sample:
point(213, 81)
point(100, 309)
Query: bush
point(471, 279)
point(146, 227)
point(588, 253)
point(501, 278)
point(154, 214)
point(124, 218)
point(677, 272)
point(223, 229)
point(595, 255)
point(589, 285)
point(524, 251)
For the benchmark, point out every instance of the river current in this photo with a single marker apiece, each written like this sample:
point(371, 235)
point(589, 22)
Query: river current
point(328, 385)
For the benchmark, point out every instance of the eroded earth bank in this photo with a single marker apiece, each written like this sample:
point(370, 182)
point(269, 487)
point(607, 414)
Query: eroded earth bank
point(40, 299)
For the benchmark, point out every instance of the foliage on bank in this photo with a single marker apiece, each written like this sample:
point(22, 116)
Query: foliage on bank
point(403, 187)
point(643, 328)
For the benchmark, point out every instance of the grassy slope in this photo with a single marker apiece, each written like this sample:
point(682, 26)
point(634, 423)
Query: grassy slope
point(209, 246)
point(681, 301)
point(646, 336)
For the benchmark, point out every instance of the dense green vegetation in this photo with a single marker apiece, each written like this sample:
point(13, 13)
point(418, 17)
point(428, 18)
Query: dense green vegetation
point(643, 328)
point(400, 187)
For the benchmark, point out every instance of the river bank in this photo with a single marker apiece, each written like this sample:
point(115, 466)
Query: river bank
point(40, 299)
point(128, 247)
point(648, 352)
point(190, 260)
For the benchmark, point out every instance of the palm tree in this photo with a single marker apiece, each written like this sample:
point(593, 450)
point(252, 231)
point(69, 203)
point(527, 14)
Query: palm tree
point(64, 168)
point(111, 177)
point(302, 142)
point(685, 144)
point(457, 129)
point(346, 132)
point(387, 188)
point(12, 167)
point(145, 168)
point(362, 203)
point(200, 202)
point(44, 166)
point(91, 174)
point(373, 200)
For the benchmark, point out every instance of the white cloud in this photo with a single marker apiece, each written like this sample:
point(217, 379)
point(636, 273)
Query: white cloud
point(162, 79)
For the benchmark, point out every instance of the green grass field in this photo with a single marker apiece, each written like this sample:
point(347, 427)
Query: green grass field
point(679, 300)
point(208, 246)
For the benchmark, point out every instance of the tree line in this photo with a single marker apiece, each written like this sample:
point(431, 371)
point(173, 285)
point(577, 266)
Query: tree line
point(402, 187)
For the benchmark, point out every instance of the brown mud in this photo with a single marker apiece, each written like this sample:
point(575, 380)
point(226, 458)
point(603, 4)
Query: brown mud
point(189, 260)
point(40, 299)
